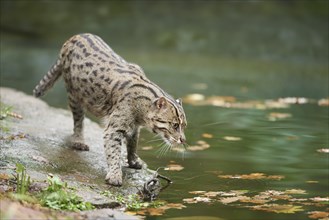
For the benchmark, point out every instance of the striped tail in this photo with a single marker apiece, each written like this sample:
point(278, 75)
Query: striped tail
point(48, 80)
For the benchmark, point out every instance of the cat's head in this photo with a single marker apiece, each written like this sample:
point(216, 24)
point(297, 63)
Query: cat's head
point(168, 119)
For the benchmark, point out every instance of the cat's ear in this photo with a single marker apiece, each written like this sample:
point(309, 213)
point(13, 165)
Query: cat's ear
point(161, 103)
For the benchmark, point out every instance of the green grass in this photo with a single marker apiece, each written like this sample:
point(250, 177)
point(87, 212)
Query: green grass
point(58, 196)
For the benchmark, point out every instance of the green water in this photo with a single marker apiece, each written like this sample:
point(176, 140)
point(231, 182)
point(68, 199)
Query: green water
point(248, 50)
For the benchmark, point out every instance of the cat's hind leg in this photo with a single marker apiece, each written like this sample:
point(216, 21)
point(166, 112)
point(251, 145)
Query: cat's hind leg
point(77, 140)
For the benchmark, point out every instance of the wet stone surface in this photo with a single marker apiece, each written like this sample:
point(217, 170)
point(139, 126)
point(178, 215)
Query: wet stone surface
point(38, 141)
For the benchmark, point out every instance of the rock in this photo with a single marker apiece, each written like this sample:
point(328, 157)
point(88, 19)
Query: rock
point(38, 141)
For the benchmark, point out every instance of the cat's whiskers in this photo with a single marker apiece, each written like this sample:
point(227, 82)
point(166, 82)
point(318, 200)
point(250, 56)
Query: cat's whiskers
point(164, 148)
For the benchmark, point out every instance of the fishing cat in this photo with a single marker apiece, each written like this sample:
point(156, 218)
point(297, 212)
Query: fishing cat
point(100, 81)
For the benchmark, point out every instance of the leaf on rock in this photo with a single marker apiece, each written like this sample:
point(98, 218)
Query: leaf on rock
point(4, 176)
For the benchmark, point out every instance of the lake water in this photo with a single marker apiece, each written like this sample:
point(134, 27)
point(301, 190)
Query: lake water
point(256, 153)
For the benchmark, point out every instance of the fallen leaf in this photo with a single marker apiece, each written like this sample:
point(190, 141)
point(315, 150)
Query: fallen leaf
point(320, 199)
point(323, 150)
point(251, 176)
point(155, 211)
point(255, 199)
point(189, 200)
point(226, 194)
point(294, 100)
point(193, 99)
point(173, 206)
point(197, 199)
point(15, 115)
point(174, 167)
point(273, 116)
point(288, 209)
point(318, 215)
point(4, 176)
point(201, 145)
point(207, 135)
point(197, 192)
point(231, 138)
point(323, 102)
point(240, 192)
point(312, 181)
point(228, 200)
point(147, 148)
point(212, 194)
point(295, 191)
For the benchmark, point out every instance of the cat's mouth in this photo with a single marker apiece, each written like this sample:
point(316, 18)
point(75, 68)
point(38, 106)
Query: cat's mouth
point(174, 141)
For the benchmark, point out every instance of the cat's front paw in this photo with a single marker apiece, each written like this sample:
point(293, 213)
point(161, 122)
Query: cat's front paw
point(80, 146)
point(114, 178)
point(136, 164)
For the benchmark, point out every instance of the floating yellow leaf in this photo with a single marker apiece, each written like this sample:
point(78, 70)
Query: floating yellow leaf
point(231, 138)
point(288, 209)
point(147, 148)
point(320, 199)
point(197, 192)
point(197, 199)
point(312, 181)
point(227, 200)
point(273, 116)
point(173, 206)
point(256, 199)
point(193, 99)
point(174, 167)
point(201, 145)
point(295, 191)
point(189, 200)
point(323, 150)
point(159, 211)
point(212, 194)
point(318, 215)
point(294, 100)
point(207, 135)
point(323, 102)
point(251, 176)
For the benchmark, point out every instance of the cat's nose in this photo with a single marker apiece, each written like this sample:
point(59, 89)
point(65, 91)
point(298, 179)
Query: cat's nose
point(182, 140)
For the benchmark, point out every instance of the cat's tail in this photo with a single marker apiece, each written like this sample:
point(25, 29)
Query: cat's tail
point(48, 80)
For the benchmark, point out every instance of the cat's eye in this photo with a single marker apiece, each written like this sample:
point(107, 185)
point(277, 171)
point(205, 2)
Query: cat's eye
point(176, 126)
